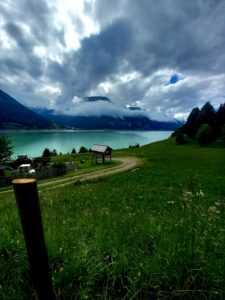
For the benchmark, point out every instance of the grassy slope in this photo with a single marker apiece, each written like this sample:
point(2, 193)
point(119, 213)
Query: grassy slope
point(156, 232)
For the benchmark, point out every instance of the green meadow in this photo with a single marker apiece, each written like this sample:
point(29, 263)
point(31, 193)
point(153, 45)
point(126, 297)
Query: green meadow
point(156, 232)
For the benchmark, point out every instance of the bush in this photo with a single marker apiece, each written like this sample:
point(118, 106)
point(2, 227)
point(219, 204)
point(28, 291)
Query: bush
point(180, 139)
point(204, 135)
point(83, 149)
point(59, 165)
point(5, 150)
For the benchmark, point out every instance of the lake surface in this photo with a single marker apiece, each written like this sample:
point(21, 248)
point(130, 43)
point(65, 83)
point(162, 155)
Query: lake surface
point(33, 143)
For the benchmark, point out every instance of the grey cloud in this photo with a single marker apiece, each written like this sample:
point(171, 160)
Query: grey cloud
point(178, 34)
point(100, 56)
point(145, 36)
point(37, 15)
point(173, 34)
point(19, 36)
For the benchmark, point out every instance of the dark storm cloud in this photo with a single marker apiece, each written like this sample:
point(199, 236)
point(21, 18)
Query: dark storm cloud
point(155, 39)
point(180, 35)
point(22, 59)
point(34, 14)
point(99, 56)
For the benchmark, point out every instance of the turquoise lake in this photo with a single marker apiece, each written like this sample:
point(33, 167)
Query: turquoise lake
point(33, 143)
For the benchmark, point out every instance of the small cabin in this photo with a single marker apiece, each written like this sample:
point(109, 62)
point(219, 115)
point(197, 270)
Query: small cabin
point(102, 151)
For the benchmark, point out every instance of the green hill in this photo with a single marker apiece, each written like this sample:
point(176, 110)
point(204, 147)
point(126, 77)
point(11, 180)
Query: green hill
point(156, 232)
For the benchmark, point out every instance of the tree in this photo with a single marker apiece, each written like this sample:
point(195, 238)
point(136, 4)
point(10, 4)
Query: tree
point(223, 136)
point(220, 115)
point(46, 153)
point(83, 149)
point(73, 151)
point(207, 115)
point(5, 149)
point(191, 125)
point(54, 152)
point(204, 135)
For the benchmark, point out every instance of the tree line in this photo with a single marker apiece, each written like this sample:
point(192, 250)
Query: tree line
point(47, 152)
point(6, 151)
point(205, 125)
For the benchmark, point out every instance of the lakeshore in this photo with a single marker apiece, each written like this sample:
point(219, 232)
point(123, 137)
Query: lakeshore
point(33, 142)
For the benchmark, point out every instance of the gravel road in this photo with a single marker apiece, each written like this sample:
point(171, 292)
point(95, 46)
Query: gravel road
point(127, 164)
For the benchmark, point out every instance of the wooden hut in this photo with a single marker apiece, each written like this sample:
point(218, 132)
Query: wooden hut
point(101, 151)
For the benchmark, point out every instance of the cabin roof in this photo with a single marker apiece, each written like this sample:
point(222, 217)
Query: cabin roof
point(100, 148)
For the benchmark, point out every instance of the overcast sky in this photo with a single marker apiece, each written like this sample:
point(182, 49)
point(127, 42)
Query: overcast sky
point(165, 56)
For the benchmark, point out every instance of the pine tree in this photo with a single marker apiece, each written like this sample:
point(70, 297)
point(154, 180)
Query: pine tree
point(73, 151)
point(191, 125)
point(207, 115)
point(83, 149)
point(46, 153)
point(220, 115)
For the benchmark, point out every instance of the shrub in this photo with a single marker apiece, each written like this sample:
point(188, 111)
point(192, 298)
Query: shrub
point(180, 139)
point(204, 135)
point(59, 165)
point(5, 150)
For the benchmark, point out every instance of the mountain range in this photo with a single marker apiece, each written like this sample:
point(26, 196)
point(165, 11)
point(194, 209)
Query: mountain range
point(14, 115)
point(95, 112)
point(135, 122)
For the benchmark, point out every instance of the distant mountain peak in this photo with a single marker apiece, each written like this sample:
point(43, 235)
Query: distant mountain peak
point(97, 98)
point(134, 108)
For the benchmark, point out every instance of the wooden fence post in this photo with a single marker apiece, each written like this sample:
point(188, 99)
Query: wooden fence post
point(30, 215)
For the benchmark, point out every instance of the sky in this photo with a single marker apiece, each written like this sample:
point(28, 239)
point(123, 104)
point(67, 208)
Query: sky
point(165, 57)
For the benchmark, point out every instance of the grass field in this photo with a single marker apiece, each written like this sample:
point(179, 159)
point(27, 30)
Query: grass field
point(154, 233)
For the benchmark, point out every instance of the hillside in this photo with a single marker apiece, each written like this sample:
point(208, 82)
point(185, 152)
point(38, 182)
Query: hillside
point(154, 233)
point(14, 115)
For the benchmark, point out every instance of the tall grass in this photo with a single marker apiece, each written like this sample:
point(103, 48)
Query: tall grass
point(156, 233)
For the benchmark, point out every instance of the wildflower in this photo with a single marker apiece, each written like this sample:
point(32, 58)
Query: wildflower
point(213, 209)
point(200, 193)
point(170, 202)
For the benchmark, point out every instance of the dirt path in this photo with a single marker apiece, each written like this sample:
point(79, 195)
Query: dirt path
point(127, 164)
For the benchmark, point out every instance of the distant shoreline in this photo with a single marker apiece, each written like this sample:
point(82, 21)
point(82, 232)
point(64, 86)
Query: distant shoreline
point(80, 130)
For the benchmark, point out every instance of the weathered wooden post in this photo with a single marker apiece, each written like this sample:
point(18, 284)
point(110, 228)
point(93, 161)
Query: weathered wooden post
point(30, 215)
